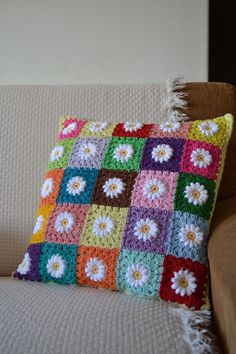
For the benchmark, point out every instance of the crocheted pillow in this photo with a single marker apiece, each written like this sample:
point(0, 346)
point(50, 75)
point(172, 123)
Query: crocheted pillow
point(127, 207)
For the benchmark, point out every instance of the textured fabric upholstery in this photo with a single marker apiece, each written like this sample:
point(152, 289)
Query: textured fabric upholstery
point(58, 319)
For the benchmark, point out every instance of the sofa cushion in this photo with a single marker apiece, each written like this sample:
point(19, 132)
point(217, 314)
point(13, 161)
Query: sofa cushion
point(143, 231)
point(37, 318)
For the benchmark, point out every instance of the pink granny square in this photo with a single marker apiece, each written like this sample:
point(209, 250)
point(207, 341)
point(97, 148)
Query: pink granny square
point(155, 189)
point(201, 158)
point(170, 129)
point(66, 223)
point(71, 128)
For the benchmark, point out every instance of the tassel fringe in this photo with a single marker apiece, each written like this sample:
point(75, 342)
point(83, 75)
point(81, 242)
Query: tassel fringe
point(176, 100)
point(197, 331)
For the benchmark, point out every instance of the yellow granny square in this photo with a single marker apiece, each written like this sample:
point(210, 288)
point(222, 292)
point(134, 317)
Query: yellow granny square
point(42, 215)
point(214, 131)
point(113, 220)
point(97, 129)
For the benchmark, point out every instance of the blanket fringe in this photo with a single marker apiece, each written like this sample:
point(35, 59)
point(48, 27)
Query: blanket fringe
point(176, 100)
point(197, 331)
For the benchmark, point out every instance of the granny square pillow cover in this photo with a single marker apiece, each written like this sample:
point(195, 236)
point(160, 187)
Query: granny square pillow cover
point(127, 207)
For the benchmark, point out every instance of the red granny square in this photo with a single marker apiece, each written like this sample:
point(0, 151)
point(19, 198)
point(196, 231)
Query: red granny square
point(136, 130)
point(184, 282)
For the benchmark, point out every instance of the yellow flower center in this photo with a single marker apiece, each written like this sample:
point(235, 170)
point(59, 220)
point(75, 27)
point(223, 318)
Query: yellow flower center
point(191, 236)
point(95, 269)
point(145, 229)
point(196, 193)
point(183, 283)
point(161, 153)
point(113, 187)
point(64, 222)
point(123, 152)
point(154, 189)
point(207, 127)
point(97, 125)
point(47, 188)
point(137, 275)
point(200, 158)
point(76, 185)
point(103, 225)
point(87, 150)
point(55, 266)
point(56, 152)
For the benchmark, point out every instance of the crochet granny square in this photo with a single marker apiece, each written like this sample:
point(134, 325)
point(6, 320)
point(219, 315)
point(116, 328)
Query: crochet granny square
point(128, 206)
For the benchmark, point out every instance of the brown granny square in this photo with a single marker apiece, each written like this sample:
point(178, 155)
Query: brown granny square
point(103, 193)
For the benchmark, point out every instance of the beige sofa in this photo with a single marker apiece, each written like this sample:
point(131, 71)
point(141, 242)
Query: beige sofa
point(48, 318)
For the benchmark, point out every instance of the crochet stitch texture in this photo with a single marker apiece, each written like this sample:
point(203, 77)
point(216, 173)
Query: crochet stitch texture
point(127, 207)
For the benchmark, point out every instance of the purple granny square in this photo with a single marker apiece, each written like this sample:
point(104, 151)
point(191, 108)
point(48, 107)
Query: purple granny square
point(88, 152)
point(162, 154)
point(28, 269)
point(146, 230)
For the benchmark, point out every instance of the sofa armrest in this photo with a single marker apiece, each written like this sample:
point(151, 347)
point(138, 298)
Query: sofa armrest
point(222, 256)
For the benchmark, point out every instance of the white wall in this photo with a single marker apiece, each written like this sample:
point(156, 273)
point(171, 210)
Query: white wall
point(84, 41)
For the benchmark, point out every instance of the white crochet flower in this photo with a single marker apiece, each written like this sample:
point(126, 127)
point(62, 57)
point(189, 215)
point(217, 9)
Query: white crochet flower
point(47, 187)
point(98, 126)
point(76, 185)
point(170, 126)
point(56, 153)
point(184, 282)
point(95, 269)
point(137, 275)
point(69, 129)
point(103, 226)
point(64, 222)
point(201, 158)
point(132, 127)
point(56, 266)
point(191, 235)
point(87, 151)
point(162, 153)
point(24, 267)
point(38, 224)
point(123, 152)
point(196, 194)
point(113, 187)
point(154, 189)
point(145, 229)
point(208, 128)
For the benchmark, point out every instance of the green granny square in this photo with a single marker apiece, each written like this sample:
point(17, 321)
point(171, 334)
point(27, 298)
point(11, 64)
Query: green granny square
point(124, 154)
point(60, 154)
point(195, 194)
